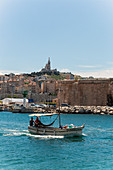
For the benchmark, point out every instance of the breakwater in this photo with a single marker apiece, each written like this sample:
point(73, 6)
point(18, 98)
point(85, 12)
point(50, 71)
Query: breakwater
point(65, 110)
point(87, 110)
point(77, 110)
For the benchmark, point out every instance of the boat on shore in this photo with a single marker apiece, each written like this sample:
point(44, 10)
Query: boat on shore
point(66, 131)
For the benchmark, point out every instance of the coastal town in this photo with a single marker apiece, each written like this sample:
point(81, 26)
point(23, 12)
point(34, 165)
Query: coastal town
point(52, 88)
point(40, 86)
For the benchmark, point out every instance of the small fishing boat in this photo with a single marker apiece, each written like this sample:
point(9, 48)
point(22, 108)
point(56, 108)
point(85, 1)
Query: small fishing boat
point(66, 131)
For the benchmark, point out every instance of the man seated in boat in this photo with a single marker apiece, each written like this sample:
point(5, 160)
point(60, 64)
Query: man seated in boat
point(65, 127)
point(31, 121)
point(37, 122)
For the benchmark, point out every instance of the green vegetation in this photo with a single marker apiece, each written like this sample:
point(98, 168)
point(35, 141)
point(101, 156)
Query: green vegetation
point(57, 77)
point(26, 83)
point(25, 93)
point(9, 96)
point(15, 96)
point(50, 103)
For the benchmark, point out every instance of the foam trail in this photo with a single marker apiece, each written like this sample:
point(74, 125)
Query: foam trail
point(25, 130)
point(35, 136)
point(19, 134)
point(11, 130)
point(45, 136)
point(8, 135)
point(15, 134)
point(83, 134)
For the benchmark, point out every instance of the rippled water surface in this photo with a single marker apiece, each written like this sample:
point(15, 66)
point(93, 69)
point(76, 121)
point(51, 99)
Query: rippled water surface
point(21, 150)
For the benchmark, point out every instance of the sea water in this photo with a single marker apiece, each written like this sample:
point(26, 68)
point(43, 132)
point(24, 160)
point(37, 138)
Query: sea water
point(21, 150)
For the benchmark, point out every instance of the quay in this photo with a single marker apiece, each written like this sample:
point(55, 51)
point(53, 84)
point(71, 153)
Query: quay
point(101, 110)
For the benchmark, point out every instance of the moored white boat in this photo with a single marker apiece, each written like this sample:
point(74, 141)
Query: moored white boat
point(61, 131)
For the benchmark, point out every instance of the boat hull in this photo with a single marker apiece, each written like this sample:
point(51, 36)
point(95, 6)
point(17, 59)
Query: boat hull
point(69, 132)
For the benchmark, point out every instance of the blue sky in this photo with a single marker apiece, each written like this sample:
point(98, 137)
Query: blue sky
point(77, 35)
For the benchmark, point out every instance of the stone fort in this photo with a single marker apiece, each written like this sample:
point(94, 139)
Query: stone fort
point(86, 92)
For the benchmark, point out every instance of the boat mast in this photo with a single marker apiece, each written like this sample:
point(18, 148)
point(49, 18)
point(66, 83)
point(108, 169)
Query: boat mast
point(59, 109)
point(59, 119)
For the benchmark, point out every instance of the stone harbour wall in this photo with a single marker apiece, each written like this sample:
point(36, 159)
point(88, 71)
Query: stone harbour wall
point(85, 92)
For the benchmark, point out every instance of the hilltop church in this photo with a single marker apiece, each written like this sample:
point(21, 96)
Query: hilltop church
point(47, 68)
